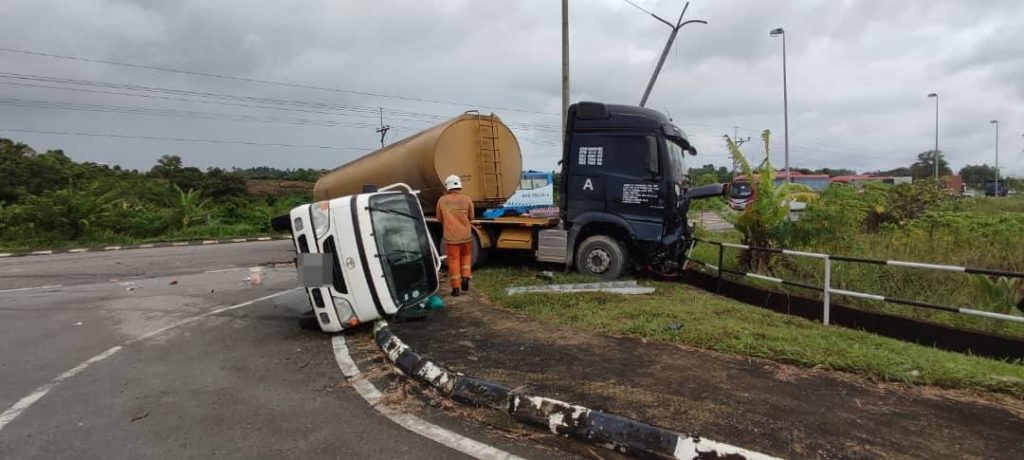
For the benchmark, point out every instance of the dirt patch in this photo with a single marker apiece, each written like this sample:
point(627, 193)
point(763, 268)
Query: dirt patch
point(263, 187)
point(774, 408)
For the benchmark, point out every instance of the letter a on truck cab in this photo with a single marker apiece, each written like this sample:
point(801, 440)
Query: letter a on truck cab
point(363, 257)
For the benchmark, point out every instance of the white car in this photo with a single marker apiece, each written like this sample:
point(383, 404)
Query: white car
point(364, 257)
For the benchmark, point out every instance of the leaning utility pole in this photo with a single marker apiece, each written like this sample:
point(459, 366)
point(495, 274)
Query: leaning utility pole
point(738, 142)
point(565, 65)
point(383, 130)
point(668, 46)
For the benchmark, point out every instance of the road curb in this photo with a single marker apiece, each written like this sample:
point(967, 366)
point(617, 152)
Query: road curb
point(621, 434)
point(163, 244)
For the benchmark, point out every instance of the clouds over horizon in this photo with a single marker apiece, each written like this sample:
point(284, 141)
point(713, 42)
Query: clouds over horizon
point(858, 74)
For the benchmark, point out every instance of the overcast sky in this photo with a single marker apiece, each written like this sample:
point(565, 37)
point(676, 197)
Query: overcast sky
point(859, 73)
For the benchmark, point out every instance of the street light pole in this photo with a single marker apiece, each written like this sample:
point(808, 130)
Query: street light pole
point(565, 67)
point(668, 46)
point(936, 96)
point(785, 96)
point(996, 122)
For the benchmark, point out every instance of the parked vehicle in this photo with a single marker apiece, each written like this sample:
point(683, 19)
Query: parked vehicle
point(996, 188)
point(536, 190)
point(741, 194)
point(622, 199)
point(365, 256)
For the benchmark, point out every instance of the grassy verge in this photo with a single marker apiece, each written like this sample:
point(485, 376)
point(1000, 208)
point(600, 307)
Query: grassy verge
point(715, 323)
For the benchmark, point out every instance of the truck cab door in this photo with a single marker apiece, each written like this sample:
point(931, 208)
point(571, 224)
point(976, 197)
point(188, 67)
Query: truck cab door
point(619, 173)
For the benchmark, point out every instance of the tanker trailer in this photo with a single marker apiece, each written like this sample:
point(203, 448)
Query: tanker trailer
point(480, 149)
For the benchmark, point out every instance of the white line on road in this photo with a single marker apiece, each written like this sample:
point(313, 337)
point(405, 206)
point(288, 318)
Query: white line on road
point(367, 391)
point(226, 270)
point(24, 403)
point(32, 288)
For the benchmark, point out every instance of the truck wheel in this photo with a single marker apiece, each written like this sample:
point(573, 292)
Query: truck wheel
point(479, 253)
point(602, 256)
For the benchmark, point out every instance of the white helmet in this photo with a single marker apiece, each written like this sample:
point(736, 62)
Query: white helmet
point(452, 182)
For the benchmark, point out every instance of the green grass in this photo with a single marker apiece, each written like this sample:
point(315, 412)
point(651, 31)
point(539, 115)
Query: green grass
point(992, 205)
point(716, 323)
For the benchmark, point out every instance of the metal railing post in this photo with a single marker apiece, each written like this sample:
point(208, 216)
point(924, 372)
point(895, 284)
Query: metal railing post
point(825, 292)
point(721, 256)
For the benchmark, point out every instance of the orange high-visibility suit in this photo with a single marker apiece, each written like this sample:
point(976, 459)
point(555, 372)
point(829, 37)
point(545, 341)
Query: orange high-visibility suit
point(455, 211)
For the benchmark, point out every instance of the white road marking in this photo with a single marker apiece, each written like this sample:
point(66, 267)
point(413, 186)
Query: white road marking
point(145, 246)
point(112, 248)
point(24, 403)
point(52, 286)
point(263, 238)
point(410, 422)
point(77, 250)
point(42, 253)
point(225, 270)
point(210, 241)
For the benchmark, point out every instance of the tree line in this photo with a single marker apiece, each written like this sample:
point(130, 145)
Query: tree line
point(47, 199)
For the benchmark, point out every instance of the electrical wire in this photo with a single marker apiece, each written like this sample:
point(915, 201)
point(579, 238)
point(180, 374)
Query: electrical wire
point(258, 80)
point(181, 139)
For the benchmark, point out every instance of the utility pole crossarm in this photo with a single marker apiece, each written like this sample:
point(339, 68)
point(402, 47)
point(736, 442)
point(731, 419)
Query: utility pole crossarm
point(668, 46)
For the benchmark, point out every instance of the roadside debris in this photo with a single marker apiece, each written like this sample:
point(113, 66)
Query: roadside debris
point(673, 326)
point(173, 282)
point(546, 275)
point(255, 277)
point(614, 287)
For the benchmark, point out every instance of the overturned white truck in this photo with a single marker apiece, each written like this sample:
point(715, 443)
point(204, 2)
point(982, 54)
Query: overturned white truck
point(363, 257)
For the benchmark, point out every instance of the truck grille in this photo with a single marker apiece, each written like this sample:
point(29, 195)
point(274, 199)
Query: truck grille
point(338, 278)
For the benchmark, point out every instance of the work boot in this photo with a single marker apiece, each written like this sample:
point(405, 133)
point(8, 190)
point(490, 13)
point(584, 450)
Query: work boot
point(465, 284)
point(455, 292)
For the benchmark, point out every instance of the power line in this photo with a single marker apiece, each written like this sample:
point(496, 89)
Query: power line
point(257, 80)
point(182, 139)
point(229, 99)
point(58, 105)
point(638, 7)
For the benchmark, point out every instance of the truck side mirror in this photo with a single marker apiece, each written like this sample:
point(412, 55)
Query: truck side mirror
point(706, 191)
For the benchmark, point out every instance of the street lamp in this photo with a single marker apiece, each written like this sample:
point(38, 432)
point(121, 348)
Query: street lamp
point(996, 122)
point(785, 96)
point(936, 96)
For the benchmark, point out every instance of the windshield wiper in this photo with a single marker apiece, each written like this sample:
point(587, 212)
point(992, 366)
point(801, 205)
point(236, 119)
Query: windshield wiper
point(392, 211)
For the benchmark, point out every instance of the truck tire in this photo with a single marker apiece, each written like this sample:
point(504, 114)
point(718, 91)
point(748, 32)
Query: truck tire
point(479, 253)
point(601, 256)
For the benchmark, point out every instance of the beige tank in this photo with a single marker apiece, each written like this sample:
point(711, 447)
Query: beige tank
point(480, 149)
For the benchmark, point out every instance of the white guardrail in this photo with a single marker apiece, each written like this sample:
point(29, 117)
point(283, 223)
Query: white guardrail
point(827, 290)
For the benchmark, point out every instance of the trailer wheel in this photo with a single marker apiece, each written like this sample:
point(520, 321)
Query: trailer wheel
point(602, 256)
point(479, 253)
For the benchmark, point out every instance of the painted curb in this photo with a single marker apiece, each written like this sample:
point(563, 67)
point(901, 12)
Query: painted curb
point(142, 246)
point(621, 434)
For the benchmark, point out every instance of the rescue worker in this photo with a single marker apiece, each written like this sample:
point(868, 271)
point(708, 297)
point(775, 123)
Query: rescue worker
point(455, 211)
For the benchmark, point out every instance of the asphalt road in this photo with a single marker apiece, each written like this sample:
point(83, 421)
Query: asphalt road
point(243, 383)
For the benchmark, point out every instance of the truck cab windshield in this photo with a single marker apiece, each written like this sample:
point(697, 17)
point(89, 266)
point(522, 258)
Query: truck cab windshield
point(403, 247)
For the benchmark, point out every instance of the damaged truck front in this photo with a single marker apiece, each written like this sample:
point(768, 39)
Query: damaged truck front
point(363, 257)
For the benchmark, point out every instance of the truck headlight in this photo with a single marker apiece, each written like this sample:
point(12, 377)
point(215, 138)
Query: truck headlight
point(345, 312)
point(321, 214)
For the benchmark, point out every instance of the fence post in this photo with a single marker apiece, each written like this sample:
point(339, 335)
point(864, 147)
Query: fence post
point(827, 287)
point(721, 257)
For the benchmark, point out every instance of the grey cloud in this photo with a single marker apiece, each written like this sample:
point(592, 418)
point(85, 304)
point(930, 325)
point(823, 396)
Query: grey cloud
point(859, 72)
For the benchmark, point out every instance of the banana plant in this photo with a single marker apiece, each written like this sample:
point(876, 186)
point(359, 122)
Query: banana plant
point(760, 221)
